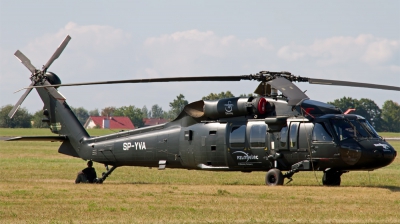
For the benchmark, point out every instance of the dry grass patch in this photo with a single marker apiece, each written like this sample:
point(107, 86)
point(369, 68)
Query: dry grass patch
point(37, 187)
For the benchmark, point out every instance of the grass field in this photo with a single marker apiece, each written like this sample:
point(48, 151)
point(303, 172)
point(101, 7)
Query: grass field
point(37, 186)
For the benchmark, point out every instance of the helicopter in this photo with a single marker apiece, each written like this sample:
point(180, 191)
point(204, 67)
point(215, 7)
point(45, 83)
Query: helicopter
point(270, 132)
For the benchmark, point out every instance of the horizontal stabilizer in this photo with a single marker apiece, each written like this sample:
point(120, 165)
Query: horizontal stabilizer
point(50, 138)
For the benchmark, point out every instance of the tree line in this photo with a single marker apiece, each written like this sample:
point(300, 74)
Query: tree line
point(386, 118)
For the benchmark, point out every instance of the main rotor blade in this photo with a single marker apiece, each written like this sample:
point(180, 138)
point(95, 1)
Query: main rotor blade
point(353, 84)
point(263, 89)
point(288, 89)
point(172, 79)
point(25, 61)
point(18, 104)
point(58, 96)
point(57, 53)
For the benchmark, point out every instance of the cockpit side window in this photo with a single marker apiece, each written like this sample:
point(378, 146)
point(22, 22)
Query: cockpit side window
point(343, 128)
point(321, 133)
point(361, 132)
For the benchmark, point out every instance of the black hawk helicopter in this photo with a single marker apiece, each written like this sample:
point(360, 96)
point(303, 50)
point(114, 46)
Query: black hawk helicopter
point(273, 133)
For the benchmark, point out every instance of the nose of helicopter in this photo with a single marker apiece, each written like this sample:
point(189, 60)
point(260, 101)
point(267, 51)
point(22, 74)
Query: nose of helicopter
point(380, 153)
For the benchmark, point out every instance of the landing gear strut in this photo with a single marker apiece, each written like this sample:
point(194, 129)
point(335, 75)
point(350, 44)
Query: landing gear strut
point(105, 174)
point(275, 177)
point(331, 177)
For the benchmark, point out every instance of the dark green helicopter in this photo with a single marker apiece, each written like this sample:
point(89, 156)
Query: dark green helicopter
point(270, 132)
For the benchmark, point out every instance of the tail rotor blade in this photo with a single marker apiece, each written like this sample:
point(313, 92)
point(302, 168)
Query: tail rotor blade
point(57, 53)
point(18, 104)
point(25, 61)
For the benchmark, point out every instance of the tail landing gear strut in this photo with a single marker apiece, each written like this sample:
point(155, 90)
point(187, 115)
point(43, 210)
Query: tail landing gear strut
point(105, 174)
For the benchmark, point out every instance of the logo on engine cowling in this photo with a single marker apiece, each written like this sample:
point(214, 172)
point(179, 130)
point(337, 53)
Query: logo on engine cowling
point(228, 108)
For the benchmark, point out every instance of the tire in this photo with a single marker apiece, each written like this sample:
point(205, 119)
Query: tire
point(274, 177)
point(331, 178)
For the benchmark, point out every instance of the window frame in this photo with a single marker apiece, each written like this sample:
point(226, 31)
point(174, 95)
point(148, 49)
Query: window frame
point(261, 136)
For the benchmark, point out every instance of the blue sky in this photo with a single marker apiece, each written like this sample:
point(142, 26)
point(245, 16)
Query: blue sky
point(343, 40)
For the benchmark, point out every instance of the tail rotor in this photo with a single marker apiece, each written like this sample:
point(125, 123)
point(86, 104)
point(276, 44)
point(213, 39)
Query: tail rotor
point(38, 77)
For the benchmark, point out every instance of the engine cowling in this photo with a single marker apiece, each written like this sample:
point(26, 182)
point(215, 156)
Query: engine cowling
point(234, 107)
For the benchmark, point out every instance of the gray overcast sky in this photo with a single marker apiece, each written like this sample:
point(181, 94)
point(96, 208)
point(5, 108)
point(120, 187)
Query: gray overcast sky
point(344, 40)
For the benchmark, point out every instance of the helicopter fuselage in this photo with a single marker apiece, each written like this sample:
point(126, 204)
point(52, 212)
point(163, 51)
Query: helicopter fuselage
point(291, 142)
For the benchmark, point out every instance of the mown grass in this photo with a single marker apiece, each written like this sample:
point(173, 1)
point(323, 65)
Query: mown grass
point(389, 134)
point(37, 186)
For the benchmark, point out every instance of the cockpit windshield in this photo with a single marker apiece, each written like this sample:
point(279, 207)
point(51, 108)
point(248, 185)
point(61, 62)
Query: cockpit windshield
point(369, 128)
point(354, 128)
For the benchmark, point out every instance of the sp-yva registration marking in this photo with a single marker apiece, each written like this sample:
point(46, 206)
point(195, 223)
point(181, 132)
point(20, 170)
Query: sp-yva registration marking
point(135, 145)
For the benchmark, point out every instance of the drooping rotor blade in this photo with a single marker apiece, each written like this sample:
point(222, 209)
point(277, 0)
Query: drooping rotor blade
point(18, 104)
point(25, 61)
point(353, 84)
point(263, 89)
point(288, 89)
point(154, 80)
point(57, 53)
point(58, 96)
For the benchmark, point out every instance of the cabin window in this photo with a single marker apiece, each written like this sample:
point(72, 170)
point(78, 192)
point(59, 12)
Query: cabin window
point(321, 133)
point(293, 134)
point(284, 137)
point(305, 131)
point(257, 136)
point(237, 136)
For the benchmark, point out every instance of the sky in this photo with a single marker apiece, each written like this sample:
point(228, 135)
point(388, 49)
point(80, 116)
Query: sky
point(114, 40)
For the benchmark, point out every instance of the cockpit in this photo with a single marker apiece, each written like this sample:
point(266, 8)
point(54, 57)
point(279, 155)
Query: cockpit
point(354, 127)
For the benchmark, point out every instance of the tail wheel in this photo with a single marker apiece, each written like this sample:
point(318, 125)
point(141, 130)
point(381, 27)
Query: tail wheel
point(274, 177)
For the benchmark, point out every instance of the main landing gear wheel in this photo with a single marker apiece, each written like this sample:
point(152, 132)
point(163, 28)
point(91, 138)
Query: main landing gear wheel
point(331, 178)
point(274, 177)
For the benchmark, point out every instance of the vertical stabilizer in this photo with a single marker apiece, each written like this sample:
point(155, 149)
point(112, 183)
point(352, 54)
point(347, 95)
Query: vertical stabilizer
point(61, 119)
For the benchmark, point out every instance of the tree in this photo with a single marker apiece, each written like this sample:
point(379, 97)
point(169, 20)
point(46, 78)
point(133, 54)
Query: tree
point(157, 111)
point(108, 111)
point(81, 113)
point(134, 113)
point(345, 103)
point(37, 120)
point(94, 112)
point(21, 119)
point(391, 116)
point(145, 112)
point(247, 95)
point(177, 105)
point(364, 107)
point(217, 96)
point(169, 115)
point(372, 113)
